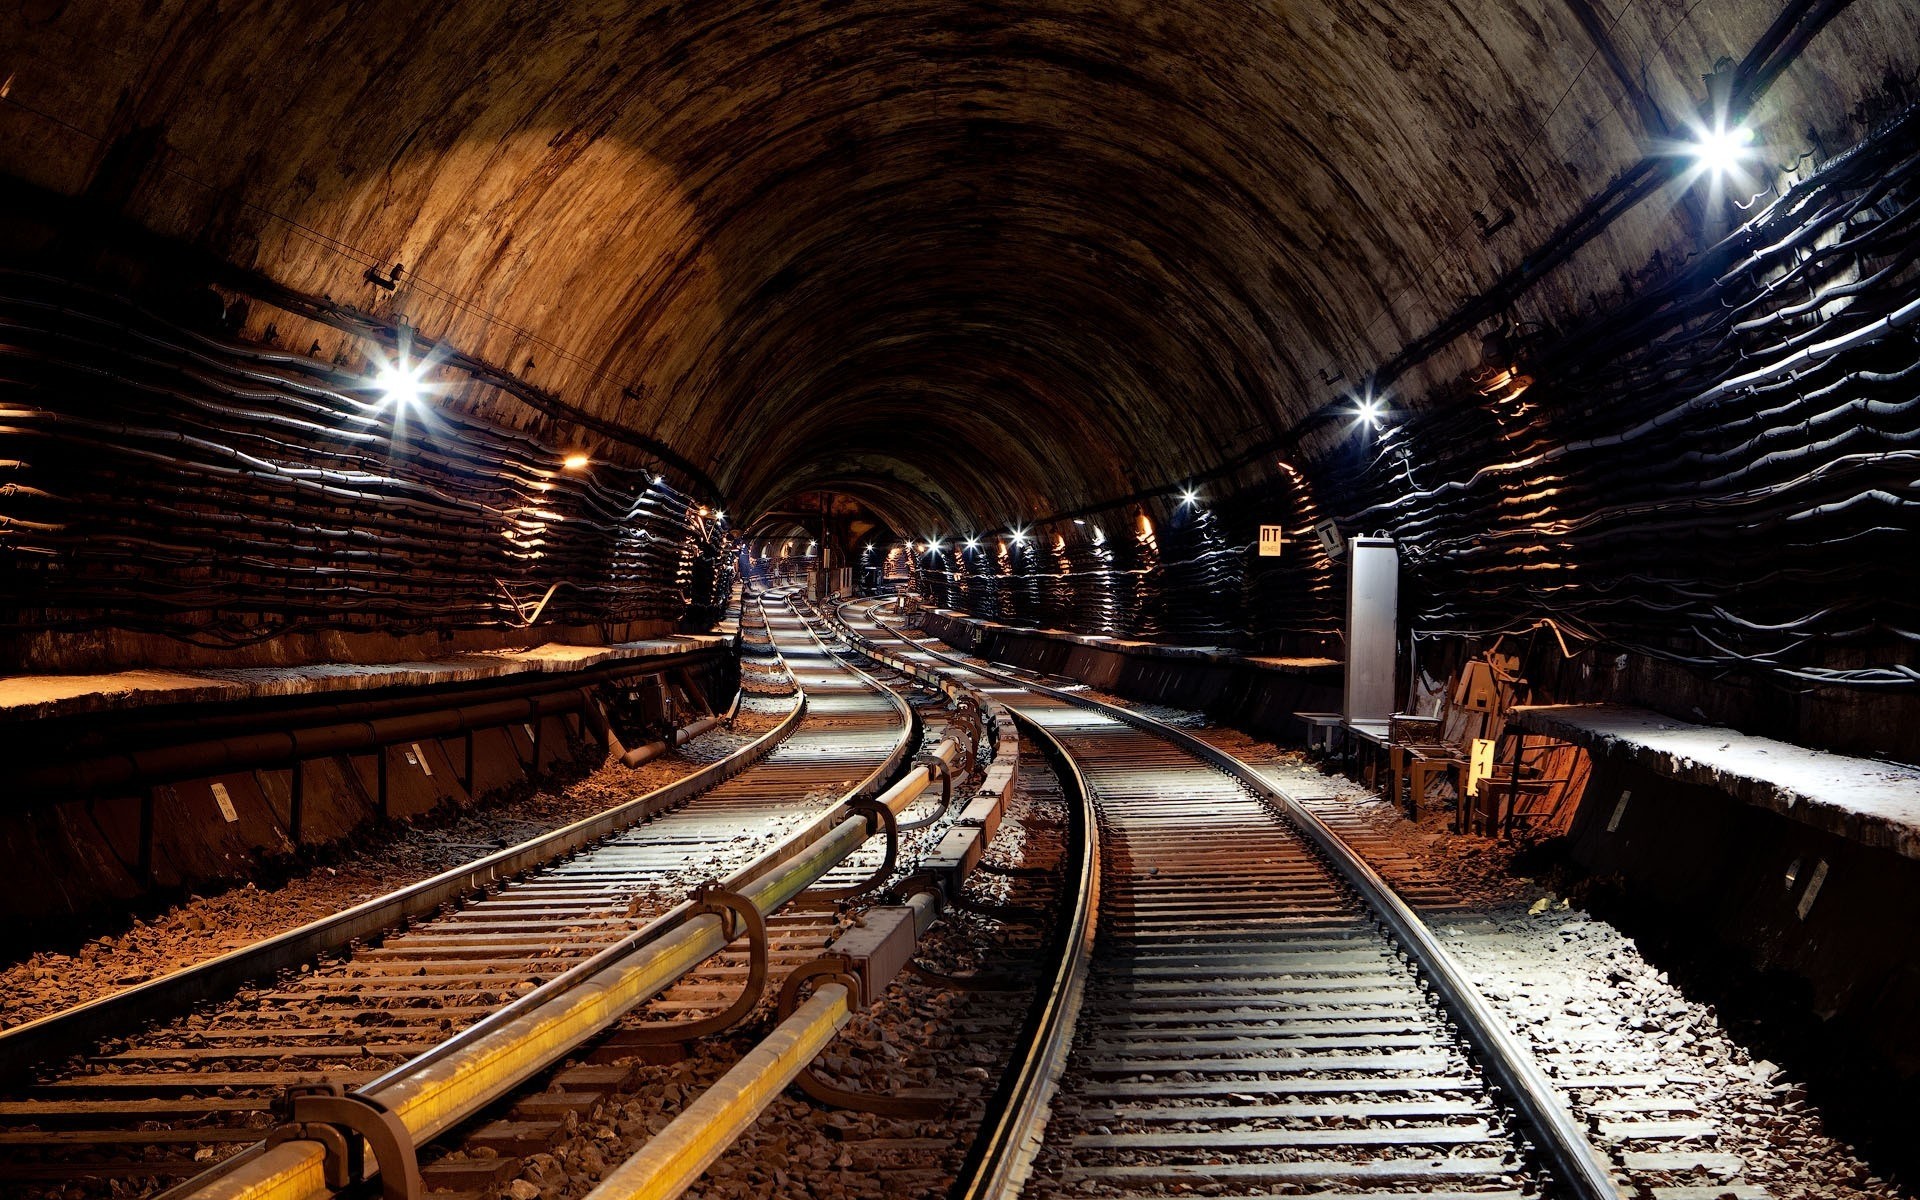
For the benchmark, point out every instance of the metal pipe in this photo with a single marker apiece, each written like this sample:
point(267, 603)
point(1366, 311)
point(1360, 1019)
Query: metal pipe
point(676, 1156)
point(438, 1090)
point(450, 1083)
point(681, 736)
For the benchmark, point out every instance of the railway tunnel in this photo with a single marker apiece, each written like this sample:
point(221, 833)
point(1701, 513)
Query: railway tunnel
point(854, 599)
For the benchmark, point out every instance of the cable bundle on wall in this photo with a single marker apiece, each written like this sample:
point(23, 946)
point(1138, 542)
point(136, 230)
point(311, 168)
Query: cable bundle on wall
point(161, 480)
point(1723, 471)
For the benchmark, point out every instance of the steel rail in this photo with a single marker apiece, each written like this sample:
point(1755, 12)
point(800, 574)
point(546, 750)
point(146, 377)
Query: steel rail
point(674, 1158)
point(1576, 1163)
point(36, 1043)
point(1001, 1158)
point(436, 1090)
point(24, 1047)
point(585, 969)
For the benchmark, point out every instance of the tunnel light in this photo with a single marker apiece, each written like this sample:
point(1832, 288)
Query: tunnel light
point(576, 462)
point(719, 514)
point(973, 543)
point(1079, 520)
point(933, 546)
point(401, 385)
point(1188, 496)
point(1019, 537)
point(1719, 151)
point(1370, 412)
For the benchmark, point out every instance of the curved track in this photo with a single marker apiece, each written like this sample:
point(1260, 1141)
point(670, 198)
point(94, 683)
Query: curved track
point(168, 1102)
point(1249, 1020)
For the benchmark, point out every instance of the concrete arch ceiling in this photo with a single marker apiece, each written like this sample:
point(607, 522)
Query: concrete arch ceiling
point(970, 262)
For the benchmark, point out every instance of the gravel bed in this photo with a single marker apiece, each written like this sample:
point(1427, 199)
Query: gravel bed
point(1589, 1003)
point(1587, 998)
point(325, 881)
point(917, 1036)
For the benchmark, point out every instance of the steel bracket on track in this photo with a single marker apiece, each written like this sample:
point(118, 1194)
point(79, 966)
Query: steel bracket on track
point(967, 715)
point(879, 817)
point(838, 968)
point(710, 897)
point(933, 762)
point(345, 1124)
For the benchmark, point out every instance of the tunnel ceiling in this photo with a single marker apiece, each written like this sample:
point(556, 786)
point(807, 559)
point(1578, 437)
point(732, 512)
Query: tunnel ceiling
point(972, 262)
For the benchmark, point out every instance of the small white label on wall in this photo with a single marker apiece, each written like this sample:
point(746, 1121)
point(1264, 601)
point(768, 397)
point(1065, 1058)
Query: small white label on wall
point(1619, 810)
point(419, 759)
point(225, 802)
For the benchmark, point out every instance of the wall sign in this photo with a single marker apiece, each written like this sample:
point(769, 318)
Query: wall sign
point(1479, 765)
point(1329, 534)
point(1272, 537)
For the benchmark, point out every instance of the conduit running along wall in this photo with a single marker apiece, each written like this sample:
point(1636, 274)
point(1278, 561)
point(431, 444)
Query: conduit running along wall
point(163, 480)
point(1717, 470)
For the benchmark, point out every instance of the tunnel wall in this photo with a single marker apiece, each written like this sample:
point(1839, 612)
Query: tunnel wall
point(1698, 496)
point(109, 807)
point(177, 496)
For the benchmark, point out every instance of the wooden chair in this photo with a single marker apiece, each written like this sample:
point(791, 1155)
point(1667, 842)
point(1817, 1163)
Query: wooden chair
point(1440, 747)
point(1429, 748)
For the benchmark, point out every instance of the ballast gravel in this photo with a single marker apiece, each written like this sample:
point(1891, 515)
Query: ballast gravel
point(1590, 1004)
point(379, 861)
point(919, 1036)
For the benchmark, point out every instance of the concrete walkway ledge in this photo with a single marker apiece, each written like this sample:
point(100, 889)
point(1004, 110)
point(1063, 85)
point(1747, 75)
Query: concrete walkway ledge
point(1144, 648)
point(1864, 800)
point(37, 697)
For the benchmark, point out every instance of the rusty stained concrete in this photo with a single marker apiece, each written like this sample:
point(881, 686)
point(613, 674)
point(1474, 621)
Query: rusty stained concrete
point(972, 263)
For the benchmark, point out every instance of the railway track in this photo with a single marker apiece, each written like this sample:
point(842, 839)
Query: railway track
point(392, 1016)
point(1257, 1011)
point(1243, 1004)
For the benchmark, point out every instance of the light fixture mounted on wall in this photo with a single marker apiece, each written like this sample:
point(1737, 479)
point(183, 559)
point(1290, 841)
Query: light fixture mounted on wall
point(1721, 150)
